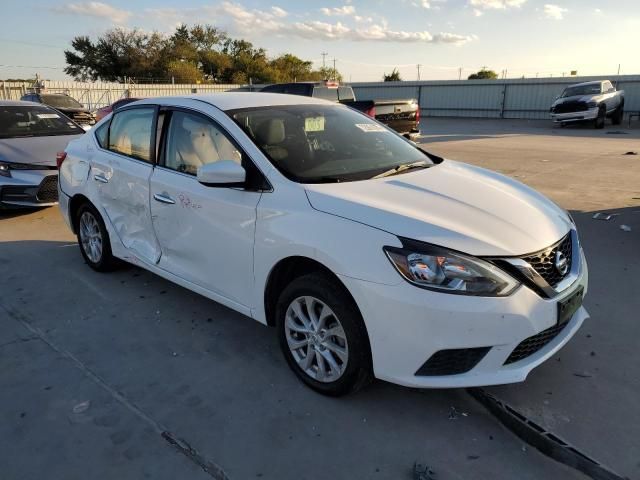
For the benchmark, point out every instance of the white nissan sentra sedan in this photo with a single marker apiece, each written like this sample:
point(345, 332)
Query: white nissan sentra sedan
point(370, 256)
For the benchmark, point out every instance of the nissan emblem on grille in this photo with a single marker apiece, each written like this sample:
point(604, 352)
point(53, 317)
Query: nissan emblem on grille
point(561, 263)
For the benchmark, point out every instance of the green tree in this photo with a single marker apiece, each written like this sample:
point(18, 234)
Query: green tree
point(184, 71)
point(201, 53)
point(394, 76)
point(484, 74)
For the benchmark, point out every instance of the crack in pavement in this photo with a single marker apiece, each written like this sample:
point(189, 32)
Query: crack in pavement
point(209, 467)
point(19, 340)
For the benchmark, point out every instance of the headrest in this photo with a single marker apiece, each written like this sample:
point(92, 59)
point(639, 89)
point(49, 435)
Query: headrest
point(271, 132)
point(193, 126)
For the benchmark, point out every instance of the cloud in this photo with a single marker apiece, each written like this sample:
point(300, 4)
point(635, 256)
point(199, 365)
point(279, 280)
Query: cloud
point(554, 11)
point(423, 4)
point(278, 12)
point(262, 22)
point(496, 4)
point(94, 9)
point(339, 11)
point(477, 12)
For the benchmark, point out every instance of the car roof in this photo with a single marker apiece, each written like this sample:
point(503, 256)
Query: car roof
point(233, 100)
point(19, 103)
point(594, 82)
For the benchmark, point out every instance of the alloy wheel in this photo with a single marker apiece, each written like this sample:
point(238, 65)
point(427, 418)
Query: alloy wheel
point(91, 237)
point(316, 339)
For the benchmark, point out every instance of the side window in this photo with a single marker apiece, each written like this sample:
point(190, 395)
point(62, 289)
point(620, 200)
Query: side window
point(273, 89)
point(297, 89)
point(130, 133)
point(193, 140)
point(326, 93)
point(101, 134)
point(608, 88)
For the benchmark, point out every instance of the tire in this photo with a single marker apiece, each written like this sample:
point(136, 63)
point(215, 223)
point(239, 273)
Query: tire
point(618, 115)
point(600, 119)
point(93, 239)
point(348, 347)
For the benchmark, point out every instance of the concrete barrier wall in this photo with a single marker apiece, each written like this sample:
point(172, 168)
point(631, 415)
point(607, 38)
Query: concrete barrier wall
point(517, 98)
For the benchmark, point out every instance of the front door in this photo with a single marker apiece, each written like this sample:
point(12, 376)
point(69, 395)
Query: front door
point(206, 233)
point(120, 175)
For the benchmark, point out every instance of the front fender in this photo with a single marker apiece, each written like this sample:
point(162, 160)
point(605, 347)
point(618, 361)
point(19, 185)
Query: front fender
point(288, 226)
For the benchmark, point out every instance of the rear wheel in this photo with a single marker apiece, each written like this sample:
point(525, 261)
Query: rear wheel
point(94, 240)
point(618, 115)
point(600, 119)
point(322, 335)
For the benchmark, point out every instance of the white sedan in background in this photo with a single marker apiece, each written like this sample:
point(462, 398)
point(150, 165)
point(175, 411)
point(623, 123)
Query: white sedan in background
point(370, 256)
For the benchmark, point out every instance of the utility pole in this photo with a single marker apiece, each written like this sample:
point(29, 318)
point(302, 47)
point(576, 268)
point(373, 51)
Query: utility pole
point(324, 55)
point(334, 68)
point(418, 67)
point(460, 73)
point(619, 68)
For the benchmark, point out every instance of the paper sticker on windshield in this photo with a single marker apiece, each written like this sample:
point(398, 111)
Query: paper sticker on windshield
point(47, 115)
point(314, 124)
point(371, 127)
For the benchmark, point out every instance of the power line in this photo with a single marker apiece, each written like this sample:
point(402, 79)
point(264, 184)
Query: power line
point(30, 66)
point(34, 44)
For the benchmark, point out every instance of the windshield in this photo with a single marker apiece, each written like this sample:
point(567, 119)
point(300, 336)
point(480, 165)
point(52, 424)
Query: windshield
point(325, 143)
point(581, 90)
point(60, 101)
point(34, 121)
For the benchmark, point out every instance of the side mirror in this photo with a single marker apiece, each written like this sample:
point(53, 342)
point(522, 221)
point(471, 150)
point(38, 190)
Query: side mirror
point(224, 173)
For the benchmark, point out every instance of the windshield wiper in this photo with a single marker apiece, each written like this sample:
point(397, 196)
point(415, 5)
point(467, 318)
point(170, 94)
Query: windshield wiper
point(403, 167)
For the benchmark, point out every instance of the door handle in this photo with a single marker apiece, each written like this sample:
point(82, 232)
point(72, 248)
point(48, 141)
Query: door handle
point(100, 178)
point(159, 197)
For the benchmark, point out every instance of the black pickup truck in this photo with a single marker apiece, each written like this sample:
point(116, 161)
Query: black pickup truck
point(401, 115)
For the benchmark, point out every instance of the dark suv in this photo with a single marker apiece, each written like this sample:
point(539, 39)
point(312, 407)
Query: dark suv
point(65, 104)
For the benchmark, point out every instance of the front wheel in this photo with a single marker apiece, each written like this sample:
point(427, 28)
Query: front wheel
point(322, 335)
point(618, 115)
point(94, 240)
point(600, 119)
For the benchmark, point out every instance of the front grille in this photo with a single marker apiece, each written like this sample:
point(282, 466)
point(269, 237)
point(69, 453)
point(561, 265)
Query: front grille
point(544, 262)
point(532, 344)
point(452, 362)
point(570, 107)
point(48, 191)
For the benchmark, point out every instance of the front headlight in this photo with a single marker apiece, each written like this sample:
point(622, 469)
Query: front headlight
point(4, 169)
point(442, 270)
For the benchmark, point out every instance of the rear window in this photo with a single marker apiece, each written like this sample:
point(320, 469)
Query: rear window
point(34, 121)
point(61, 101)
point(326, 93)
point(346, 94)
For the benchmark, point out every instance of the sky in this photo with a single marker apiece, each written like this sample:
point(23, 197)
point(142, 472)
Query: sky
point(367, 38)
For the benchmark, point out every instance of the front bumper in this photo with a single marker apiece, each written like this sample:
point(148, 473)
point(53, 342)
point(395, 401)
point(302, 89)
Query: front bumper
point(590, 114)
point(29, 188)
point(407, 325)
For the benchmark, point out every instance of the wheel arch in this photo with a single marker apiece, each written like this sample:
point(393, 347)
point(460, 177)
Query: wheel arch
point(74, 206)
point(284, 272)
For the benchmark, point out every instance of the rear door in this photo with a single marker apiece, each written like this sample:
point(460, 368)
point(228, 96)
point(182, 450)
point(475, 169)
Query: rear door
point(206, 233)
point(120, 176)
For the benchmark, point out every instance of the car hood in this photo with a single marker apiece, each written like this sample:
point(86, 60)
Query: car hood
point(575, 98)
point(452, 204)
point(34, 150)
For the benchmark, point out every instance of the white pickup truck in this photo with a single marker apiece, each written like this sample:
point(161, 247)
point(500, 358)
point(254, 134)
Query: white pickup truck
point(592, 101)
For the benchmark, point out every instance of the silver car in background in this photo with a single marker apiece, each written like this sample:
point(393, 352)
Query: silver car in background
point(31, 134)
